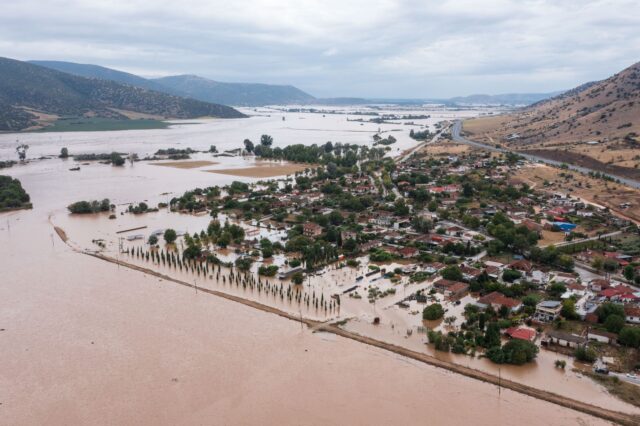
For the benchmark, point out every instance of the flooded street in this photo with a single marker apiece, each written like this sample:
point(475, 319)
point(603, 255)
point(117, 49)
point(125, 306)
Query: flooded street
point(89, 342)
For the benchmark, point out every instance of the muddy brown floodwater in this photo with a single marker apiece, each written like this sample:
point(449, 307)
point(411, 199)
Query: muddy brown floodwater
point(84, 341)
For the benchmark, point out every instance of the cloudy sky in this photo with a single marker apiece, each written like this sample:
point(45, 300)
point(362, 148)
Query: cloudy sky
point(379, 48)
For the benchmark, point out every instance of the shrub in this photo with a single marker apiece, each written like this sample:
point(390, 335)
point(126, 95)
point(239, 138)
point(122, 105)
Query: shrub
point(585, 354)
point(433, 312)
point(614, 323)
point(268, 271)
point(170, 236)
point(630, 336)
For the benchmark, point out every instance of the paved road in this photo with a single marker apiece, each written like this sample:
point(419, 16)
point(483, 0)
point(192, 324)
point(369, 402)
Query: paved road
point(455, 134)
point(621, 376)
point(434, 139)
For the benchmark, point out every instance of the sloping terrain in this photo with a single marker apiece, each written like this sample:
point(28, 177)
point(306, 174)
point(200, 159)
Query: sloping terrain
point(104, 73)
point(596, 125)
point(25, 87)
point(504, 99)
point(240, 94)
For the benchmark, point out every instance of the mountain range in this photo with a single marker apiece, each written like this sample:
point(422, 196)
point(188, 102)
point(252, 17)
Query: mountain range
point(192, 86)
point(255, 94)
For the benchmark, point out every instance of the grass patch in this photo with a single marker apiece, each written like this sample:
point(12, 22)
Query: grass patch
point(97, 124)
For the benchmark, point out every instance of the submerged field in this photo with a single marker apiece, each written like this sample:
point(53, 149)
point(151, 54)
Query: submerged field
point(96, 124)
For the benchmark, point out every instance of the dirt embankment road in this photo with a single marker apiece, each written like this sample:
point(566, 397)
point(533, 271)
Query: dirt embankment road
point(614, 416)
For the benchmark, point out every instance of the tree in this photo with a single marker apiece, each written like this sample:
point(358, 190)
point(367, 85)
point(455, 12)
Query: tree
point(492, 335)
point(116, 159)
point(452, 272)
point(614, 323)
point(153, 240)
point(22, 151)
point(248, 145)
point(569, 309)
point(597, 263)
point(556, 289)
point(629, 272)
point(510, 275)
point(433, 312)
point(64, 153)
point(170, 236)
point(630, 336)
point(297, 278)
point(244, 263)
point(610, 266)
point(608, 308)
point(518, 352)
point(266, 140)
point(585, 354)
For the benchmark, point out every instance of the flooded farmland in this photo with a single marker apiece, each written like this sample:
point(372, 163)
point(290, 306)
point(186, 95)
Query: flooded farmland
point(86, 341)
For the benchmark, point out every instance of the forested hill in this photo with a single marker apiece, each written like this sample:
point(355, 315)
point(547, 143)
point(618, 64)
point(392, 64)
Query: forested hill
point(27, 90)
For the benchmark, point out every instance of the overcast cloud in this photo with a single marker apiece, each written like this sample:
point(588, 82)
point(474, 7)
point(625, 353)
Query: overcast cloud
point(379, 48)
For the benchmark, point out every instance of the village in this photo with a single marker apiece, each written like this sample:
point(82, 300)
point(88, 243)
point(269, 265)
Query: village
point(453, 247)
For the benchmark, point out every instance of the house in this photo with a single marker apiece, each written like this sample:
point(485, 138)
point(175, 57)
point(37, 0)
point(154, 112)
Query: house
point(574, 289)
point(547, 311)
point(408, 252)
point(451, 289)
point(618, 293)
point(311, 229)
point(602, 336)
point(365, 247)
point(497, 300)
point(538, 277)
point(382, 218)
point(632, 314)
point(521, 265)
point(561, 338)
point(493, 271)
point(532, 226)
point(288, 274)
point(433, 268)
point(469, 273)
point(599, 284)
point(521, 333)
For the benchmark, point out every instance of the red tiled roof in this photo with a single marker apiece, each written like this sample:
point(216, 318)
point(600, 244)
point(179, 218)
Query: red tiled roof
point(521, 333)
point(496, 298)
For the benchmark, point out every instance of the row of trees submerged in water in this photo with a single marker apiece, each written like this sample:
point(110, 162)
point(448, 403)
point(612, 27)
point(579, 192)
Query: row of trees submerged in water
point(211, 267)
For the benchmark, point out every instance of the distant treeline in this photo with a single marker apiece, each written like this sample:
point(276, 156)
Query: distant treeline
point(114, 158)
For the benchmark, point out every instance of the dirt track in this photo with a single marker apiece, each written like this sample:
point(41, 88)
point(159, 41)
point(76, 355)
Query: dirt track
point(614, 416)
